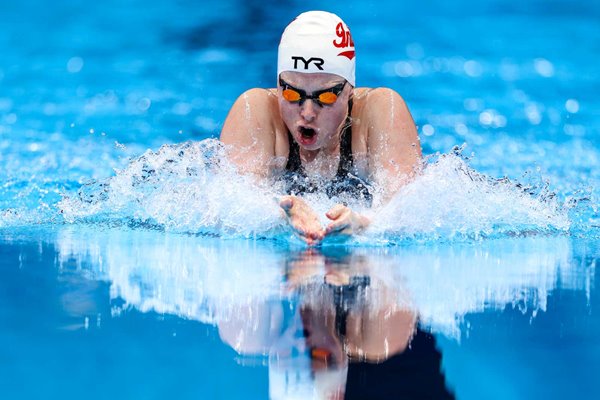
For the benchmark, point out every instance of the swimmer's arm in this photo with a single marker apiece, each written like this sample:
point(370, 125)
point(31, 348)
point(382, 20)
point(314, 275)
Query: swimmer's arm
point(394, 154)
point(249, 134)
point(394, 148)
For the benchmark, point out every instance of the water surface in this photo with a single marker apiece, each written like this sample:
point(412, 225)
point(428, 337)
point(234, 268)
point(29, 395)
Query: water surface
point(135, 262)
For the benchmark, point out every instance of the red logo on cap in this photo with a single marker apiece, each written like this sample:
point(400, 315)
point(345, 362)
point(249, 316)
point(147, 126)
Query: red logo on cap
point(344, 42)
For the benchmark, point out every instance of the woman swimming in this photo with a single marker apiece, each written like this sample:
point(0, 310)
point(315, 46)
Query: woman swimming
point(316, 127)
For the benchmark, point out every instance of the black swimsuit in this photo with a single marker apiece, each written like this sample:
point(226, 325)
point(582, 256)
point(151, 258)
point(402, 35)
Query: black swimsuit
point(345, 181)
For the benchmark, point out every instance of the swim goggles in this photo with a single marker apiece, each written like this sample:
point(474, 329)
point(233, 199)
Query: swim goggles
point(321, 97)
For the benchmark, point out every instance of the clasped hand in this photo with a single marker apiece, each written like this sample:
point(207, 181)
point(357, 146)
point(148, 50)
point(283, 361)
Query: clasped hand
point(306, 225)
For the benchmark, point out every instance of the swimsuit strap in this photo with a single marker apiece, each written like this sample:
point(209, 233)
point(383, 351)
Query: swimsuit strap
point(346, 159)
point(294, 163)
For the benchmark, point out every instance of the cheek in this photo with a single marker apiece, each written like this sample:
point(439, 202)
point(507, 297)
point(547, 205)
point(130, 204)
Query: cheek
point(338, 116)
point(286, 111)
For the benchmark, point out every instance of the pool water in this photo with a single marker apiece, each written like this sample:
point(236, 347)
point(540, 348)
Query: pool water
point(135, 262)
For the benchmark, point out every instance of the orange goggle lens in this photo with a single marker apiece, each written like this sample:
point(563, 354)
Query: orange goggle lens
point(291, 95)
point(328, 98)
point(321, 354)
point(324, 98)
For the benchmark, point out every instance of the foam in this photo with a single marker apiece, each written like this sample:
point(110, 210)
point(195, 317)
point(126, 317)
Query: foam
point(192, 188)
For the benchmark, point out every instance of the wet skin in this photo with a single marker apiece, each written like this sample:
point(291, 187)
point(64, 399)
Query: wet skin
point(385, 144)
point(306, 225)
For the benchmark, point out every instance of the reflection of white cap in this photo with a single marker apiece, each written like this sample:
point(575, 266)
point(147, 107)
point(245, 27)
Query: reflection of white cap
point(290, 374)
point(304, 384)
point(317, 41)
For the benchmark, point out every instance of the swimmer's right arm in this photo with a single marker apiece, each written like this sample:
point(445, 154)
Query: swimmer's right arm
point(249, 133)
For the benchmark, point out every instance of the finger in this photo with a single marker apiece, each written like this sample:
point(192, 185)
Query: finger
point(304, 236)
point(286, 203)
point(336, 211)
point(310, 240)
point(299, 231)
point(318, 236)
point(307, 233)
point(336, 227)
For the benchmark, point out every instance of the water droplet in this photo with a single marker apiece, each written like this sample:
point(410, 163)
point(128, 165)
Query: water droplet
point(403, 69)
point(144, 104)
point(33, 147)
point(499, 121)
point(428, 130)
point(533, 114)
point(461, 129)
point(473, 68)
point(486, 117)
point(543, 67)
point(572, 106)
point(74, 65)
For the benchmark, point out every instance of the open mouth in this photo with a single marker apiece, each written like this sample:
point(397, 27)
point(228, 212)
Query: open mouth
point(308, 136)
point(307, 133)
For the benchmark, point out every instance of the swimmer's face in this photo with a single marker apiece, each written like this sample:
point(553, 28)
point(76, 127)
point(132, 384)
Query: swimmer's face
point(313, 124)
point(326, 348)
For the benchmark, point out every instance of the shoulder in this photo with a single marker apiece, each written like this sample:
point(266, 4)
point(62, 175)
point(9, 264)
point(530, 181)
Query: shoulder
point(251, 130)
point(254, 106)
point(377, 99)
point(380, 106)
point(256, 97)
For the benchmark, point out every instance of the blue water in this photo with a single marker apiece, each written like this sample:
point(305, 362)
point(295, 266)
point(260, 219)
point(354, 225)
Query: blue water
point(117, 282)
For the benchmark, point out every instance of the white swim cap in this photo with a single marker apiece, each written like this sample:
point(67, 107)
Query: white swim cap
point(317, 41)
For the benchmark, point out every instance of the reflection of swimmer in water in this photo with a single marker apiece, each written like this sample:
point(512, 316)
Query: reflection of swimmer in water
point(316, 125)
point(346, 335)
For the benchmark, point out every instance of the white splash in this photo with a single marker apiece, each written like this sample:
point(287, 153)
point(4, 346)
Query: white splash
point(184, 188)
point(193, 188)
point(449, 200)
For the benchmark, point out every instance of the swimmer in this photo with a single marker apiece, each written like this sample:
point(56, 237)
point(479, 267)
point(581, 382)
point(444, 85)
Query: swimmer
point(317, 124)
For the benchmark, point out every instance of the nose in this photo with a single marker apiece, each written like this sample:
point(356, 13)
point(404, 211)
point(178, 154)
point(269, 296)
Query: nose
point(308, 110)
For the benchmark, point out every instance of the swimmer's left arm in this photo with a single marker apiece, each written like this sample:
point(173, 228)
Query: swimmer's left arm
point(394, 149)
point(394, 154)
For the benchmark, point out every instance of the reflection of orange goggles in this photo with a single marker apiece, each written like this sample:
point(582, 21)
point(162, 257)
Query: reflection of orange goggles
point(322, 354)
point(321, 97)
